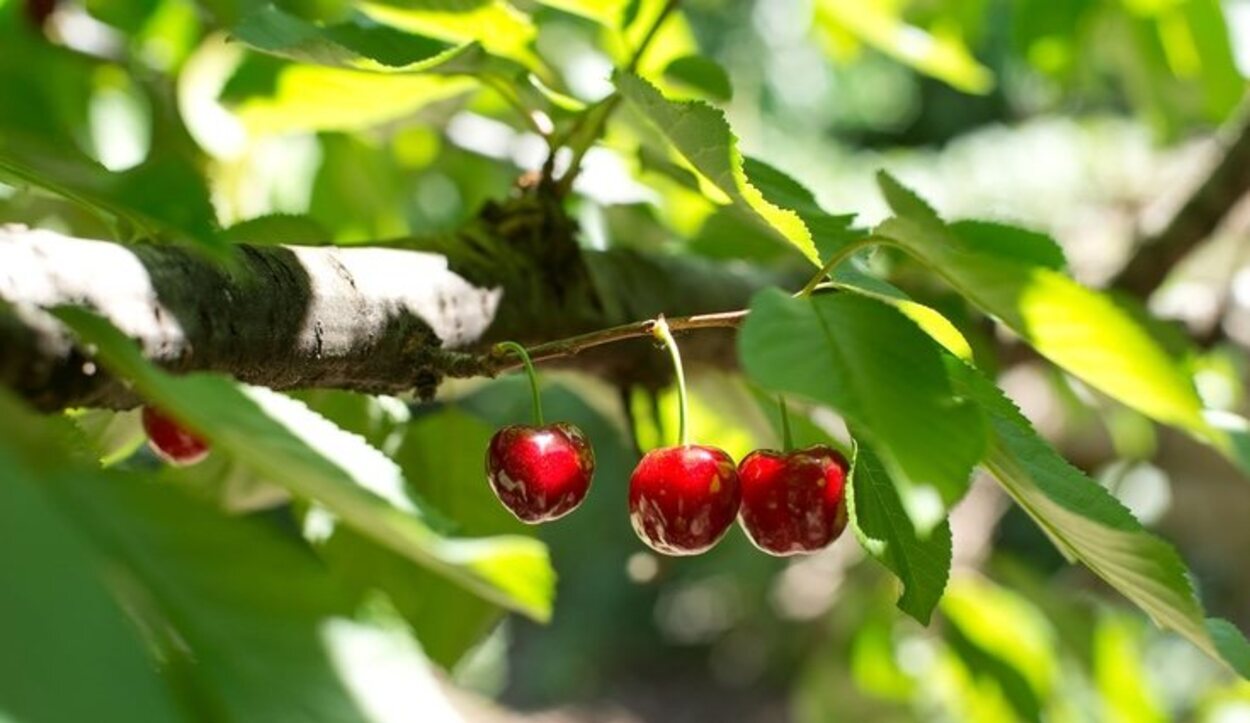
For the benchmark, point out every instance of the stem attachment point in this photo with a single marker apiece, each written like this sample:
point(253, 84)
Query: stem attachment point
point(520, 351)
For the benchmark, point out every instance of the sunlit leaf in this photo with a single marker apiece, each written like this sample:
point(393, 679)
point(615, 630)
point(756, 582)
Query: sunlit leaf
point(1013, 277)
point(701, 135)
point(879, 25)
point(1085, 521)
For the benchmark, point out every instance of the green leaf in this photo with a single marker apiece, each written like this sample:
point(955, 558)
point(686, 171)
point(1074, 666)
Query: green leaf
point(701, 74)
point(357, 43)
point(1086, 522)
point(499, 27)
point(161, 198)
point(875, 366)
point(287, 443)
point(609, 13)
point(312, 97)
point(60, 624)
point(702, 137)
point(251, 606)
point(1232, 645)
point(928, 319)
point(885, 531)
point(441, 453)
point(1013, 276)
point(878, 24)
point(279, 228)
point(113, 435)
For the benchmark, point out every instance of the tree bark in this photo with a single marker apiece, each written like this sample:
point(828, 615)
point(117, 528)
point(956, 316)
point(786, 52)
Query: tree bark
point(386, 319)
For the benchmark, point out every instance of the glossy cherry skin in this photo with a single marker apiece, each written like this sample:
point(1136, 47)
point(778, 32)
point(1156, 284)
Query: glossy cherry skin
point(170, 440)
point(540, 473)
point(793, 502)
point(683, 499)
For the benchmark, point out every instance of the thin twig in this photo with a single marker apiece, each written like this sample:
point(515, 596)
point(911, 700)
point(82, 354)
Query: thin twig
point(495, 363)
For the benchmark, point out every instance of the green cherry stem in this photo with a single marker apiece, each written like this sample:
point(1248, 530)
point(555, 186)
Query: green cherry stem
point(661, 331)
point(533, 375)
point(787, 441)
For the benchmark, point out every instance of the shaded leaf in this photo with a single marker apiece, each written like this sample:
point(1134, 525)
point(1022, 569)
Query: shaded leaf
point(287, 443)
point(702, 74)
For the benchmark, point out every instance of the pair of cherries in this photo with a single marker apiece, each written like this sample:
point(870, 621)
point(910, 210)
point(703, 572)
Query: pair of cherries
point(684, 498)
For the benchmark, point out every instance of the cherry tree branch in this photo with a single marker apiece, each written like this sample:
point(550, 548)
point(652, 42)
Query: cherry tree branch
point(372, 319)
point(1198, 217)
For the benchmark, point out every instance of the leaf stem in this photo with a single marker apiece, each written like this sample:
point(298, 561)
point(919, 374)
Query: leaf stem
point(661, 331)
point(533, 375)
point(833, 263)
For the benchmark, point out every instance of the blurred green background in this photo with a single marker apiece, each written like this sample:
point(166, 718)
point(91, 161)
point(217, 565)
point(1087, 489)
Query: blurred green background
point(1088, 119)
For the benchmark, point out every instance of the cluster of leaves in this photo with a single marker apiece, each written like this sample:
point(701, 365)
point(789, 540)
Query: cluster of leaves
point(214, 593)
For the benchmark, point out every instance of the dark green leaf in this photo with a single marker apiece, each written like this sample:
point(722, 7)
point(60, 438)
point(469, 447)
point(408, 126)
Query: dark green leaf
point(702, 74)
point(885, 531)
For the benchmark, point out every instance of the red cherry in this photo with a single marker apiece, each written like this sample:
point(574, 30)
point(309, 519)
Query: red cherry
point(170, 440)
point(683, 499)
point(540, 473)
point(793, 502)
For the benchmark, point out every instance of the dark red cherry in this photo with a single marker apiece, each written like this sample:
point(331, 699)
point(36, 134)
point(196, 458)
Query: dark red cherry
point(170, 440)
point(793, 502)
point(683, 499)
point(540, 473)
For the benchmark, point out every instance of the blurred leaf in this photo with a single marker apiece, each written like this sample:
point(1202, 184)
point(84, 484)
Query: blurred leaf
point(878, 24)
point(1001, 634)
point(60, 625)
point(308, 97)
point(500, 28)
point(701, 135)
point(114, 435)
point(1084, 520)
point(292, 446)
point(357, 43)
point(702, 74)
point(251, 606)
point(886, 532)
point(1232, 645)
point(1120, 673)
point(1014, 279)
point(442, 454)
point(162, 197)
point(609, 13)
point(872, 364)
point(279, 228)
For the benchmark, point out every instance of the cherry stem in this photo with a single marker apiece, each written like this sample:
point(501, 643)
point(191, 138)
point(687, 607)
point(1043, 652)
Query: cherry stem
point(533, 375)
point(787, 441)
point(661, 331)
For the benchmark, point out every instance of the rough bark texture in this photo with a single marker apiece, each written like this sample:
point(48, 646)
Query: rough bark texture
point(378, 319)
